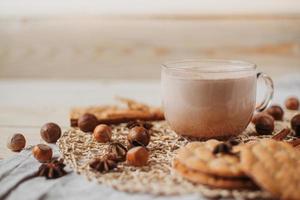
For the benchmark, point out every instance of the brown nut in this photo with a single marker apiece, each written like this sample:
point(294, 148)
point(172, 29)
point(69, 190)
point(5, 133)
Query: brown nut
point(292, 103)
point(137, 156)
point(276, 112)
point(50, 132)
point(264, 125)
point(258, 115)
point(42, 152)
point(87, 122)
point(295, 124)
point(102, 133)
point(16, 142)
point(138, 136)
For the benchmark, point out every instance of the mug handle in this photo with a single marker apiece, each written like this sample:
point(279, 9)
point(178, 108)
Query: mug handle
point(269, 94)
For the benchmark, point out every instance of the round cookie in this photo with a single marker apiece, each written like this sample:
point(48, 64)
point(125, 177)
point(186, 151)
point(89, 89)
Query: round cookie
point(198, 156)
point(274, 166)
point(212, 181)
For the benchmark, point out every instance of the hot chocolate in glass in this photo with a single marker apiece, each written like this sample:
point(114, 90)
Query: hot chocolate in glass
point(211, 98)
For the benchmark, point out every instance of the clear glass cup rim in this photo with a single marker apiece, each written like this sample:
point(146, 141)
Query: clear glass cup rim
point(216, 65)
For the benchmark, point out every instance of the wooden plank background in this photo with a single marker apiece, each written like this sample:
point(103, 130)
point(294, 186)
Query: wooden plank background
point(134, 47)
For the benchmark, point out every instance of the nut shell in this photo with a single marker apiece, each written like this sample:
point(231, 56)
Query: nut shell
point(102, 133)
point(138, 136)
point(276, 112)
point(258, 115)
point(292, 103)
point(42, 152)
point(137, 156)
point(264, 125)
point(87, 122)
point(16, 142)
point(50, 132)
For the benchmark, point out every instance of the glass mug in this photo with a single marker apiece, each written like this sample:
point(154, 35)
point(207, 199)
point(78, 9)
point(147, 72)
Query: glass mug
point(211, 98)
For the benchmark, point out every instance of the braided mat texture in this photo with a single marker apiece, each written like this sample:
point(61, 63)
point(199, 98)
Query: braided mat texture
point(157, 178)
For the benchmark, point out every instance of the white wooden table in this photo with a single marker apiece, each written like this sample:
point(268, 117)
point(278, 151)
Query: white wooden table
point(26, 105)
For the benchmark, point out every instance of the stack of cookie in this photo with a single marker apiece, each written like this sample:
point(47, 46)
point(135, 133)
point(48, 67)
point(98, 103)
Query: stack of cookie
point(266, 164)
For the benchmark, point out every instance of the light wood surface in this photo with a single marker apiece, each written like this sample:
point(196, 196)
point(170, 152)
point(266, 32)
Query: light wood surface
point(26, 105)
point(135, 47)
point(36, 8)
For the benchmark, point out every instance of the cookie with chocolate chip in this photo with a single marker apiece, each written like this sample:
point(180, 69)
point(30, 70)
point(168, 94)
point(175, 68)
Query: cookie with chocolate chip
point(211, 157)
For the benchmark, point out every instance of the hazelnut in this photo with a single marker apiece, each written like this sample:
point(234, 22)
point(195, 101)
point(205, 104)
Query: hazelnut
point(292, 103)
point(42, 152)
point(138, 136)
point(137, 156)
point(295, 124)
point(264, 125)
point(16, 142)
point(87, 122)
point(50, 132)
point(102, 133)
point(258, 115)
point(276, 112)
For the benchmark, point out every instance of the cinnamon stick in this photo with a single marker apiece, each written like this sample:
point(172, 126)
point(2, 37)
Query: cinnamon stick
point(294, 143)
point(281, 134)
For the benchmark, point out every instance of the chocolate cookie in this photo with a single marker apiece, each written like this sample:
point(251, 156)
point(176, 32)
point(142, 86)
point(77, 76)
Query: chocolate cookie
point(199, 156)
point(274, 166)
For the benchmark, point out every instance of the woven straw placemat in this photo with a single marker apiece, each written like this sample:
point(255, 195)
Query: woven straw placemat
point(158, 177)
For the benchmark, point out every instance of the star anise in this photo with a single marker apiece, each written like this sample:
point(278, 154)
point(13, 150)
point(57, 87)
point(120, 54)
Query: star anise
point(104, 163)
point(146, 125)
point(53, 169)
point(118, 150)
